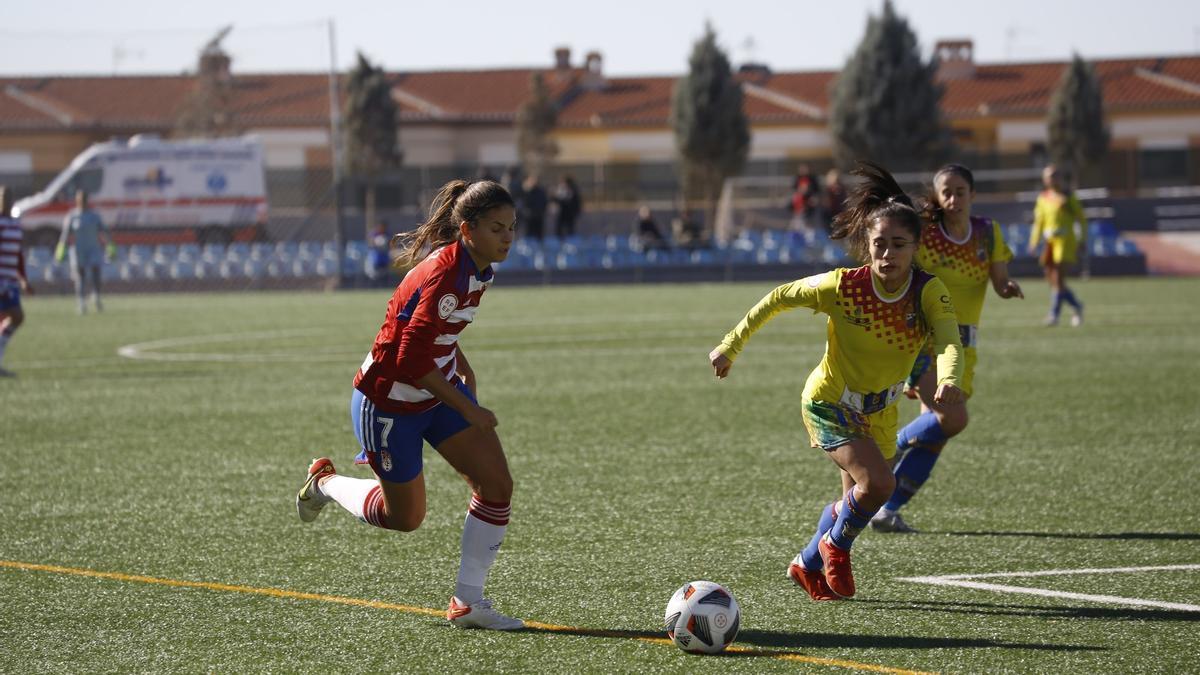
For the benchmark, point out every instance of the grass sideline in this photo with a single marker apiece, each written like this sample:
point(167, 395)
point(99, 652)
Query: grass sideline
point(635, 472)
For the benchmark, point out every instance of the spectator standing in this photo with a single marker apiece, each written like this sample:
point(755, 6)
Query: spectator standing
point(85, 240)
point(570, 205)
point(531, 212)
point(835, 197)
point(805, 204)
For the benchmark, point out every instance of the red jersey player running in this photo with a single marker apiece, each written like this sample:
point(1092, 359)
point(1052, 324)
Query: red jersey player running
point(416, 385)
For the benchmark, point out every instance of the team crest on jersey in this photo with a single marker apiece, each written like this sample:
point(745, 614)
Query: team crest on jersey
point(447, 305)
point(385, 460)
point(815, 280)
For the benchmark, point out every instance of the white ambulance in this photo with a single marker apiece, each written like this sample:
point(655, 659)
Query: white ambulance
point(152, 190)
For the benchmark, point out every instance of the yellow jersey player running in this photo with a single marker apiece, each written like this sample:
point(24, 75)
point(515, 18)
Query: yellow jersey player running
point(965, 252)
point(880, 315)
point(1055, 216)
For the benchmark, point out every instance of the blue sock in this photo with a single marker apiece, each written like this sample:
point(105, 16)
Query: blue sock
point(911, 474)
point(851, 520)
point(810, 556)
point(1056, 301)
point(923, 430)
point(1070, 298)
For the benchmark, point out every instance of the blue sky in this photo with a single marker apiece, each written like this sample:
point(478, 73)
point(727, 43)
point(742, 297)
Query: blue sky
point(636, 38)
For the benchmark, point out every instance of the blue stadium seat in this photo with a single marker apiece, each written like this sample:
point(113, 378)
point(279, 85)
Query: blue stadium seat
point(182, 270)
point(129, 271)
point(1126, 247)
point(326, 266)
point(254, 268)
point(229, 269)
point(206, 269)
point(188, 252)
point(139, 253)
point(237, 251)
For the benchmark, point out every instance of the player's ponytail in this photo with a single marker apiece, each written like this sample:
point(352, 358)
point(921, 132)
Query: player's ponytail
point(875, 196)
point(456, 202)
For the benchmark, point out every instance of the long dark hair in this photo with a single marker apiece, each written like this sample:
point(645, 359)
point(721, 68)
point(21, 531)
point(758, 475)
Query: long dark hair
point(931, 208)
point(456, 202)
point(876, 196)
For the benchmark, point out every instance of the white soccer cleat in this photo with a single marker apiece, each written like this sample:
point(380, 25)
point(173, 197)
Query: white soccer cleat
point(480, 615)
point(310, 500)
point(890, 521)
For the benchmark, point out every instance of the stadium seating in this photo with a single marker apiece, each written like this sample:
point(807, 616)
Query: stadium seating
point(308, 259)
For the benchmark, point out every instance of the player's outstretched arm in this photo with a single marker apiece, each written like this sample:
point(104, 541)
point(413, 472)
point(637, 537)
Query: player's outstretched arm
point(1005, 287)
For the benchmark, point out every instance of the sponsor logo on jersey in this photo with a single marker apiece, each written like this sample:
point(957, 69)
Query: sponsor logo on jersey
point(447, 305)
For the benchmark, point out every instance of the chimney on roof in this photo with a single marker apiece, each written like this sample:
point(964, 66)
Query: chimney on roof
point(214, 62)
point(593, 74)
point(956, 59)
point(562, 58)
point(758, 73)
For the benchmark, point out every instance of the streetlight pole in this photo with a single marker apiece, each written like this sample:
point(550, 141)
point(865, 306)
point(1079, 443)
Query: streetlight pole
point(335, 154)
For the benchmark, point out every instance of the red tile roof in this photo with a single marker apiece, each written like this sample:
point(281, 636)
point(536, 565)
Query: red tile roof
point(152, 103)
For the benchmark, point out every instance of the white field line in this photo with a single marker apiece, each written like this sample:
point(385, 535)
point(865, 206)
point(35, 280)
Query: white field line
point(965, 581)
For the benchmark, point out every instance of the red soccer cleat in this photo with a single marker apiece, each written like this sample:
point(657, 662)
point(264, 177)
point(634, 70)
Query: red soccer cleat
point(813, 582)
point(837, 568)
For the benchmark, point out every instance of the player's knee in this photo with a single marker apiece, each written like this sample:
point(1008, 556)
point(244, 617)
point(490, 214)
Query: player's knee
point(879, 486)
point(954, 421)
point(405, 522)
point(497, 487)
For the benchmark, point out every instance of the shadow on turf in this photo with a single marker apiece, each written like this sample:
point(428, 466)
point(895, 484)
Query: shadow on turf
point(1038, 611)
point(763, 638)
point(1148, 536)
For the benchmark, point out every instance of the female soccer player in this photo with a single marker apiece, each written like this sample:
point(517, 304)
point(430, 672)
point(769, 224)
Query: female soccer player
point(965, 252)
point(1054, 217)
point(880, 315)
point(416, 385)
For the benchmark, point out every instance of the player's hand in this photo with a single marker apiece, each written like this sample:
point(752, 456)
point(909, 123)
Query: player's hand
point(911, 392)
point(1010, 289)
point(720, 363)
point(948, 394)
point(26, 287)
point(481, 417)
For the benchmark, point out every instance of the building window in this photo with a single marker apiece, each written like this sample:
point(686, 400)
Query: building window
point(1163, 167)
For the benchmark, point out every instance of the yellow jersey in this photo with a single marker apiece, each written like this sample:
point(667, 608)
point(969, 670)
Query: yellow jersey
point(964, 265)
point(1055, 216)
point(873, 336)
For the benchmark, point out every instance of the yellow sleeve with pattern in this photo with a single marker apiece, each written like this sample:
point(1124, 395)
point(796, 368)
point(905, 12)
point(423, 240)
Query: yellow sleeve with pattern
point(1000, 251)
point(939, 311)
point(1039, 222)
point(817, 292)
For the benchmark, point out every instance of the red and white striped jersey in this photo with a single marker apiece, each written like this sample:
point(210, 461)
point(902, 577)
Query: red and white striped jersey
point(12, 259)
point(430, 308)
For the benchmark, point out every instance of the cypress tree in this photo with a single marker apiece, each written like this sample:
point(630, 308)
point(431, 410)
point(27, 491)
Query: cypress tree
point(712, 134)
point(371, 130)
point(1077, 133)
point(536, 119)
point(886, 103)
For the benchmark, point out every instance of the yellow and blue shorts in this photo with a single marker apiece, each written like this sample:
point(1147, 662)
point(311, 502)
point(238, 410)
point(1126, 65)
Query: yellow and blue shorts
point(832, 425)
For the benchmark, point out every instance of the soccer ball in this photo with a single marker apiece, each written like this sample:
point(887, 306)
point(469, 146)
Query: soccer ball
point(702, 617)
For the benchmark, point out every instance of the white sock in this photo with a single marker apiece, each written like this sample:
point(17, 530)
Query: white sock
point(351, 493)
point(483, 533)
